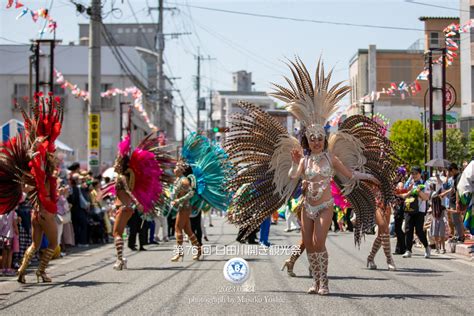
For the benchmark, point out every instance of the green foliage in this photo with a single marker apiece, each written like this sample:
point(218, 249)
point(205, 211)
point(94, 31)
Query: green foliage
point(456, 144)
point(407, 136)
point(470, 145)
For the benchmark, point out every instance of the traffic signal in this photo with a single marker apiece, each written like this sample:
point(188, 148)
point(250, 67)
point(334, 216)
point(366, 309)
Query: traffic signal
point(220, 129)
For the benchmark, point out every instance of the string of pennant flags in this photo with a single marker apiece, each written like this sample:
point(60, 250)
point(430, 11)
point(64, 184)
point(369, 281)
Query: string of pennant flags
point(133, 92)
point(403, 89)
point(51, 26)
point(42, 13)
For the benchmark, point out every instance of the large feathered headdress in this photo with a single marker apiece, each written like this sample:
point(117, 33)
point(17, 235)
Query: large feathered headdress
point(311, 103)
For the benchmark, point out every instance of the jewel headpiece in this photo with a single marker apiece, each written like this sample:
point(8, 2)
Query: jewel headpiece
point(312, 104)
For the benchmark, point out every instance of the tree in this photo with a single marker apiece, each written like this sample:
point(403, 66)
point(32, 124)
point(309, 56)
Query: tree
point(455, 144)
point(408, 139)
point(471, 143)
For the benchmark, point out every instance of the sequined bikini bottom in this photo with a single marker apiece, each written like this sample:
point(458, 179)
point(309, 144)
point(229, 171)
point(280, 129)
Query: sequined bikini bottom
point(314, 211)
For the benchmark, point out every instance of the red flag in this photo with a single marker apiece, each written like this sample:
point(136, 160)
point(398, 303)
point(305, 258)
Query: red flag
point(18, 4)
point(9, 4)
point(393, 85)
point(417, 85)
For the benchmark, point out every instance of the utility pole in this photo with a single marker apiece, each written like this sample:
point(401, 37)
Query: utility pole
point(211, 126)
point(430, 89)
point(160, 46)
point(443, 82)
point(200, 102)
point(93, 157)
point(437, 92)
point(182, 126)
point(198, 88)
point(161, 79)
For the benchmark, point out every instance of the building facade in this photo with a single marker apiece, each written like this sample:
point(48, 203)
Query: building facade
point(226, 102)
point(376, 69)
point(467, 68)
point(143, 38)
point(72, 62)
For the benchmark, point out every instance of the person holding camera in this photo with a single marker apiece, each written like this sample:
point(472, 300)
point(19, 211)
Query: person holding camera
point(415, 209)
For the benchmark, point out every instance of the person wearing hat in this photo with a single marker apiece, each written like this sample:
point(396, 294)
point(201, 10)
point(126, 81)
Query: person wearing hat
point(74, 167)
point(415, 210)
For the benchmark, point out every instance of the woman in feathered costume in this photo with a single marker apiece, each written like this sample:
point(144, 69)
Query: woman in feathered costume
point(139, 183)
point(382, 220)
point(199, 176)
point(272, 163)
point(27, 164)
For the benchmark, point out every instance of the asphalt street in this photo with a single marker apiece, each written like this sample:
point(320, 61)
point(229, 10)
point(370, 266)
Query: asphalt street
point(85, 283)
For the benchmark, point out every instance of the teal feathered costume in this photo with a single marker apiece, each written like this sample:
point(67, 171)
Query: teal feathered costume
point(209, 164)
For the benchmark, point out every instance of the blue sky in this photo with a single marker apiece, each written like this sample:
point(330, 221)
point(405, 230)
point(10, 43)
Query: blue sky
point(255, 44)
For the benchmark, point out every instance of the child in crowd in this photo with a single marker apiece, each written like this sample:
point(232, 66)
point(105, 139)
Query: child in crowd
point(8, 231)
point(438, 224)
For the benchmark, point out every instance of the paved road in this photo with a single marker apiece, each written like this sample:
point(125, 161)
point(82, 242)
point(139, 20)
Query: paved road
point(84, 283)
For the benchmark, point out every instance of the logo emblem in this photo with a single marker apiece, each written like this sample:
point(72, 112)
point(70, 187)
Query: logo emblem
point(236, 270)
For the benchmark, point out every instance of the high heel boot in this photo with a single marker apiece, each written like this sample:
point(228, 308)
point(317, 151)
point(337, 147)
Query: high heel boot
point(323, 261)
point(196, 245)
point(314, 267)
point(375, 247)
point(290, 263)
point(45, 258)
point(29, 253)
point(388, 254)
point(179, 249)
point(121, 262)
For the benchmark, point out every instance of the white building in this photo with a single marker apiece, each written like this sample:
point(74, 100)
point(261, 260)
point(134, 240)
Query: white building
point(226, 102)
point(72, 62)
point(467, 68)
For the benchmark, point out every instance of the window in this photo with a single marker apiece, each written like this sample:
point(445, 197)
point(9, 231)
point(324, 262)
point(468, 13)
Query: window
point(135, 30)
point(127, 30)
point(434, 40)
point(21, 90)
point(120, 30)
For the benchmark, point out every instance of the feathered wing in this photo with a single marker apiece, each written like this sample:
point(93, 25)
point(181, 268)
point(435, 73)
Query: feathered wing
point(259, 179)
point(151, 165)
point(361, 146)
point(195, 145)
point(209, 171)
point(14, 172)
point(42, 129)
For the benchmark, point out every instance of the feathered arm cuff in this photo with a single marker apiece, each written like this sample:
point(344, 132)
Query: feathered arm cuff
point(186, 197)
point(357, 176)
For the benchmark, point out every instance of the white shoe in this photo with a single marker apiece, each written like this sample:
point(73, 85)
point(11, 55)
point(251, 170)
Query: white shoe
point(407, 254)
point(428, 253)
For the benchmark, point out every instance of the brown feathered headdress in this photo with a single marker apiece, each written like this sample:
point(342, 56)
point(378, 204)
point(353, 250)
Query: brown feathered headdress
point(312, 104)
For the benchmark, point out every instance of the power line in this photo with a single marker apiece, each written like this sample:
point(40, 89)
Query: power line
point(13, 41)
point(116, 52)
point(294, 19)
point(249, 54)
point(435, 6)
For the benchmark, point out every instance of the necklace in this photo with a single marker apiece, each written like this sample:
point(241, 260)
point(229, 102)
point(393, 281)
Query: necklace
point(316, 158)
